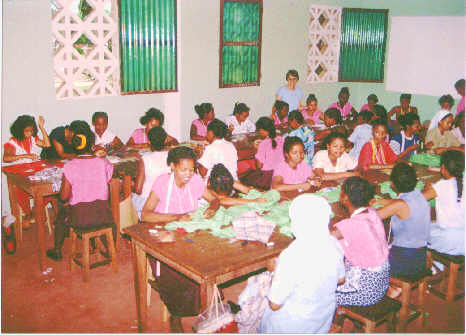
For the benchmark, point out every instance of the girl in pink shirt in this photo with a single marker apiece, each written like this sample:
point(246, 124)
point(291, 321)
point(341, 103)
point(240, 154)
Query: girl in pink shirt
point(206, 113)
point(279, 115)
point(372, 100)
point(85, 188)
point(343, 105)
point(312, 114)
point(153, 117)
point(294, 173)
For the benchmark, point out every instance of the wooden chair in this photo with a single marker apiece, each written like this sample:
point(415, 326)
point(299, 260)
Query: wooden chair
point(19, 225)
point(447, 277)
point(372, 316)
point(408, 284)
point(82, 259)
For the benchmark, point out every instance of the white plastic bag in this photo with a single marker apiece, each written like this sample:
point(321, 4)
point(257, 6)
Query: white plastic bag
point(215, 317)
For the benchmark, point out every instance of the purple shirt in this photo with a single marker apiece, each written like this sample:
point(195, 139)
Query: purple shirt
point(182, 200)
point(293, 176)
point(268, 156)
point(460, 106)
point(315, 116)
point(89, 179)
point(201, 127)
point(139, 136)
point(345, 110)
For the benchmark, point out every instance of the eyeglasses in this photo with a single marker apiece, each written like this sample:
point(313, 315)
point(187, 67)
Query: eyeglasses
point(293, 78)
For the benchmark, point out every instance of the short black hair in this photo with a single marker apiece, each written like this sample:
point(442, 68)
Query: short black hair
point(373, 97)
point(366, 115)
point(459, 83)
point(83, 138)
point(152, 113)
point(331, 137)
point(203, 109)
point(408, 119)
point(293, 73)
point(311, 97)
point(266, 124)
point(344, 90)
point(446, 98)
point(404, 177)
point(178, 153)
point(99, 114)
point(290, 141)
point(218, 127)
point(79, 127)
point(18, 126)
point(359, 191)
point(379, 122)
point(405, 96)
point(240, 108)
point(221, 180)
point(381, 113)
point(157, 137)
point(279, 105)
point(296, 115)
point(334, 114)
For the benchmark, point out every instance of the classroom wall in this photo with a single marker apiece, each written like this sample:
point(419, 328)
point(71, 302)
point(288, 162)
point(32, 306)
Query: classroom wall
point(28, 66)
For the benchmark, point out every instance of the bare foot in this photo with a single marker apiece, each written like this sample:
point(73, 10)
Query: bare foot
point(393, 292)
point(27, 222)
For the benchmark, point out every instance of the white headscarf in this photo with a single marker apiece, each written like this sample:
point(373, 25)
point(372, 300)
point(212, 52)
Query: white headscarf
point(438, 117)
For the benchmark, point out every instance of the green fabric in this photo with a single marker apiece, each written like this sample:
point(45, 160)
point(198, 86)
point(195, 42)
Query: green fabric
point(385, 188)
point(332, 194)
point(426, 159)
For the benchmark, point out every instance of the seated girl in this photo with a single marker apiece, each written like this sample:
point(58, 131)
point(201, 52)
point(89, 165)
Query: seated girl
point(24, 147)
point(85, 189)
point(410, 222)
point(439, 137)
point(406, 143)
point(311, 113)
point(458, 129)
point(372, 100)
point(334, 163)
point(304, 132)
point(222, 185)
point(150, 167)
point(239, 122)
point(447, 234)
point(206, 113)
point(377, 154)
point(24, 144)
point(404, 107)
point(152, 118)
point(362, 238)
point(103, 136)
point(280, 114)
point(294, 173)
point(302, 298)
point(60, 140)
point(332, 120)
point(361, 134)
point(343, 105)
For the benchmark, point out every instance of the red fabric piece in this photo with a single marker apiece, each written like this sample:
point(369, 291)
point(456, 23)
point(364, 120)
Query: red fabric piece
point(181, 230)
point(231, 327)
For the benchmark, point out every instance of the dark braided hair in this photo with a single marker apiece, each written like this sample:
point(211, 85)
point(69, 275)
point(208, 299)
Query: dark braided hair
point(266, 124)
point(453, 161)
point(221, 180)
point(359, 191)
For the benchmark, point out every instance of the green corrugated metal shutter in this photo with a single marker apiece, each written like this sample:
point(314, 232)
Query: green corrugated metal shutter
point(148, 45)
point(362, 45)
point(240, 51)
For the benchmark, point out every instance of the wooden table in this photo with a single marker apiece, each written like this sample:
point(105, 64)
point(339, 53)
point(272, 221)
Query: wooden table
point(208, 260)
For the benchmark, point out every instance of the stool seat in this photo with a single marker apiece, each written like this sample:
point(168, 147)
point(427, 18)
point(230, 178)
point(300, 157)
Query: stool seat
point(92, 229)
point(413, 278)
point(447, 277)
point(459, 259)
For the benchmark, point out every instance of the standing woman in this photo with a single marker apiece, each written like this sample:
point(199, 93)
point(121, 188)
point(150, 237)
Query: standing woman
point(404, 107)
point(206, 113)
point(343, 105)
point(289, 92)
point(459, 85)
point(239, 122)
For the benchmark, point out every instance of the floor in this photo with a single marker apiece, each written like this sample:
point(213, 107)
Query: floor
point(58, 301)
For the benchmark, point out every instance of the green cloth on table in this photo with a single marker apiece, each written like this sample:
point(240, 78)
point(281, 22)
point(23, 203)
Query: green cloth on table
point(425, 159)
point(386, 188)
point(332, 194)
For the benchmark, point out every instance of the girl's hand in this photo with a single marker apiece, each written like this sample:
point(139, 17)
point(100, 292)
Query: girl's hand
point(428, 145)
point(260, 200)
point(306, 186)
point(41, 121)
point(100, 153)
point(184, 217)
point(209, 213)
point(231, 127)
point(32, 156)
point(315, 181)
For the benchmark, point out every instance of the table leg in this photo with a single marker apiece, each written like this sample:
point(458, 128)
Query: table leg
point(207, 290)
point(140, 284)
point(15, 211)
point(39, 213)
point(115, 206)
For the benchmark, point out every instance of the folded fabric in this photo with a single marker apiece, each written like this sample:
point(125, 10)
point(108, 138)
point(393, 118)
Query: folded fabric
point(252, 227)
point(425, 159)
point(332, 194)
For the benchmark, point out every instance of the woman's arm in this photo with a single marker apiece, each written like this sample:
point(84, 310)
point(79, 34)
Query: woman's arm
point(408, 150)
point(60, 151)
point(171, 141)
point(259, 165)
point(133, 145)
point(394, 207)
point(277, 184)
point(193, 134)
point(116, 143)
point(390, 114)
point(148, 214)
point(140, 177)
point(45, 141)
point(10, 156)
point(274, 307)
point(335, 175)
point(65, 189)
point(429, 193)
point(237, 185)
point(202, 170)
point(213, 201)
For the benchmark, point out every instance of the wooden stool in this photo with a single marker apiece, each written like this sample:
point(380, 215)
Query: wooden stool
point(407, 284)
point(373, 315)
point(454, 264)
point(86, 233)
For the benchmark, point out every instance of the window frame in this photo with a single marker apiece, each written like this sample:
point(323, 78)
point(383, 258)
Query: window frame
point(241, 43)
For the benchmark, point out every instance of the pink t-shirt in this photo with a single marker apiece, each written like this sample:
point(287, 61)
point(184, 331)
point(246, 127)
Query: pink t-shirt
point(460, 106)
point(345, 110)
point(315, 116)
point(277, 121)
point(364, 242)
point(293, 176)
point(182, 200)
point(365, 108)
point(139, 136)
point(201, 128)
point(268, 156)
point(89, 179)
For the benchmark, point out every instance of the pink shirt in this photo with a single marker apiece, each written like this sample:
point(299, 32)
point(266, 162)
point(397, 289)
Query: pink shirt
point(277, 122)
point(365, 108)
point(293, 176)
point(315, 116)
point(89, 179)
point(201, 127)
point(345, 110)
point(460, 106)
point(364, 242)
point(139, 136)
point(182, 200)
point(268, 156)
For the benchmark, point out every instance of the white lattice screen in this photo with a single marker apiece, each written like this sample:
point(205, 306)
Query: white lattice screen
point(85, 49)
point(324, 43)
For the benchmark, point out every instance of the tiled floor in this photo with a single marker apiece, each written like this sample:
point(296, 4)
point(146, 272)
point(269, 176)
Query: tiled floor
point(59, 301)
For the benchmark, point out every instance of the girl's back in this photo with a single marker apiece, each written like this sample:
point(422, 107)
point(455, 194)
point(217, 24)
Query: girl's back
point(89, 179)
